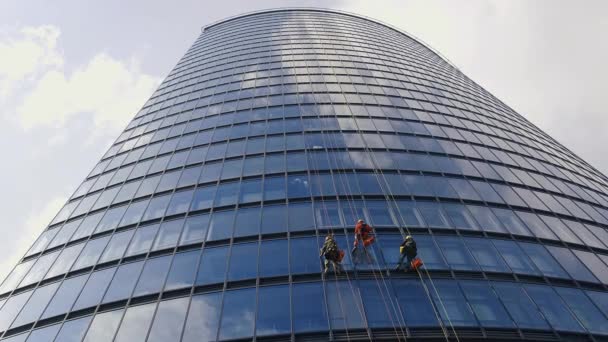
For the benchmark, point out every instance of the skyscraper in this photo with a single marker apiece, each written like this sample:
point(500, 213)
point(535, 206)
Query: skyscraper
point(204, 219)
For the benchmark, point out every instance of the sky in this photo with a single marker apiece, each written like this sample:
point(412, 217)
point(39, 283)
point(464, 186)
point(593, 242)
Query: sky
point(73, 74)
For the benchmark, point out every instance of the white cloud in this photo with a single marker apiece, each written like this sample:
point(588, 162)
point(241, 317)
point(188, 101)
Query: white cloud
point(13, 249)
point(109, 89)
point(59, 114)
point(25, 52)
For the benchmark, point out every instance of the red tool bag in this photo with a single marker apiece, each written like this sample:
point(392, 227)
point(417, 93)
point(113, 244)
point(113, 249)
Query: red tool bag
point(340, 255)
point(416, 263)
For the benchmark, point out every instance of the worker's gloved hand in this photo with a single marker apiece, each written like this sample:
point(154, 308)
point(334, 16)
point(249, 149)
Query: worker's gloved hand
point(356, 243)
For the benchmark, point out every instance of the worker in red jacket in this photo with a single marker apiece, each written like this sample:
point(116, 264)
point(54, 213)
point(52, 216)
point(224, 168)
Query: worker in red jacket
point(363, 233)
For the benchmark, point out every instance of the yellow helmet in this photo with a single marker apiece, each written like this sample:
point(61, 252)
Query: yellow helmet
point(409, 237)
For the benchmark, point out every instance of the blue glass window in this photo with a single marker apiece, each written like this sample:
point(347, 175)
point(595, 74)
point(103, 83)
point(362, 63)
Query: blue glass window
point(232, 169)
point(428, 252)
point(536, 226)
point(117, 246)
point(137, 319)
point(65, 260)
point(253, 166)
point(486, 219)
point(35, 305)
point(238, 314)
point(432, 214)
point(327, 213)
point(486, 255)
point(573, 266)
point(456, 254)
point(553, 308)
point(203, 318)
point(73, 331)
point(212, 267)
point(298, 186)
point(189, 176)
point(168, 181)
point(543, 260)
point(221, 225)
point(251, 191)
point(203, 198)
point(273, 311)
point(110, 219)
point(304, 255)
point(515, 257)
point(153, 276)
point(378, 306)
point(46, 334)
point(157, 207)
point(587, 313)
point(407, 214)
point(459, 217)
point(300, 217)
point(12, 307)
point(39, 269)
point(211, 172)
point(180, 202)
point(65, 296)
point(520, 306)
point(142, 240)
point(124, 281)
point(168, 234)
point(227, 194)
point(344, 305)
point(308, 308)
point(195, 229)
point(416, 308)
point(182, 270)
point(243, 261)
point(91, 252)
point(94, 289)
point(247, 222)
point(274, 188)
point(273, 258)
point(485, 304)
point(274, 219)
point(104, 326)
point(597, 267)
point(452, 305)
point(510, 221)
point(169, 320)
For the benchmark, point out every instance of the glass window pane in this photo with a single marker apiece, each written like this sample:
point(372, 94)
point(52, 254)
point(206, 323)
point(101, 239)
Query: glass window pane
point(203, 197)
point(195, 229)
point(553, 308)
point(94, 289)
point(103, 326)
point(65, 296)
point(273, 311)
point(135, 323)
point(587, 313)
point(65, 260)
point(203, 318)
point(273, 258)
point(238, 314)
point(168, 234)
point(124, 281)
point(243, 261)
point(454, 309)
point(378, 305)
point(344, 305)
point(416, 308)
point(520, 306)
point(117, 246)
point(46, 334)
point(543, 260)
point(73, 331)
point(35, 305)
point(485, 304)
point(274, 219)
point(91, 252)
point(571, 263)
point(11, 308)
point(304, 256)
point(153, 276)
point(247, 222)
point(221, 225)
point(515, 257)
point(456, 254)
point(141, 242)
point(180, 202)
point(169, 320)
point(251, 191)
point(212, 267)
point(308, 308)
point(182, 270)
point(486, 255)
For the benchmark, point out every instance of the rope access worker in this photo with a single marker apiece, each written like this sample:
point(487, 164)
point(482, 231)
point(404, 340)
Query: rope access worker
point(408, 250)
point(363, 238)
point(332, 254)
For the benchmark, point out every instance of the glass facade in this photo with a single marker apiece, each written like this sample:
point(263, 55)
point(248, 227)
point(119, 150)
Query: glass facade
point(204, 220)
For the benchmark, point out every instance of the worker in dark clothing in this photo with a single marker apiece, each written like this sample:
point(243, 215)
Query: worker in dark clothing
point(408, 251)
point(332, 254)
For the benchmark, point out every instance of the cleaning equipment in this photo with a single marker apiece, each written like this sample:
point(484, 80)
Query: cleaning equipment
point(416, 264)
